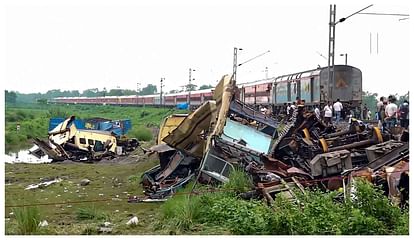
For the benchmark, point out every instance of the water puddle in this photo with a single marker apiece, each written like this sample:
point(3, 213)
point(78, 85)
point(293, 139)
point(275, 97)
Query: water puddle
point(23, 156)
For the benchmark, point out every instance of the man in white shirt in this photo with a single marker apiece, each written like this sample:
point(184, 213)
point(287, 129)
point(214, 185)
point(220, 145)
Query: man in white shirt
point(338, 108)
point(391, 112)
point(327, 113)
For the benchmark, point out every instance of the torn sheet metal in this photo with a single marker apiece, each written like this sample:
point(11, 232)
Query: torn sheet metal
point(168, 125)
point(189, 135)
point(249, 113)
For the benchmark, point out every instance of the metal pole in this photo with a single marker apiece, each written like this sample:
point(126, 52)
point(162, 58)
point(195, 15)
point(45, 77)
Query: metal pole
point(346, 58)
point(137, 93)
point(234, 63)
point(331, 53)
point(189, 88)
point(162, 79)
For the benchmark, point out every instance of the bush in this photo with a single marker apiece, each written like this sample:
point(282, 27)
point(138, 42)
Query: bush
point(239, 181)
point(239, 216)
point(28, 219)
point(58, 112)
point(141, 133)
point(182, 211)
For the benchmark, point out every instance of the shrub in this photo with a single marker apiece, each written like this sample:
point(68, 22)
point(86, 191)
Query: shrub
point(141, 133)
point(28, 219)
point(372, 202)
point(58, 112)
point(239, 181)
point(239, 216)
point(182, 211)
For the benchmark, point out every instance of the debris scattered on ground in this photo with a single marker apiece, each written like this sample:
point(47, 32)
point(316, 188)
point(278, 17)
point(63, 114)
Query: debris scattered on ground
point(43, 223)
point(43, 184)
point(84, 182)
point(132, 221)
point(224, 133)
point(69, 140)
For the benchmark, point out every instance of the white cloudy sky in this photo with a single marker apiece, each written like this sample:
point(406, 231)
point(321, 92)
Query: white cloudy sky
point(95, 44)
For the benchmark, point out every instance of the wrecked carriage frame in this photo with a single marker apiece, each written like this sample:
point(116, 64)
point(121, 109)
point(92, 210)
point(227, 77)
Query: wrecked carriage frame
point(224, 133)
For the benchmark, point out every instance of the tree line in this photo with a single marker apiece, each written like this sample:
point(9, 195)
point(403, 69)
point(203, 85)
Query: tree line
point(13, 97)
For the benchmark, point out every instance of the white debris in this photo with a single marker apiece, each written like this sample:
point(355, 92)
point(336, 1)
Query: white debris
point(107, 224)
point(43, 223)
point(43, 184)
point(133, 221)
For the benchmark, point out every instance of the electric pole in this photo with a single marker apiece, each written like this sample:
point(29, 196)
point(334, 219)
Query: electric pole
point(189, 88)
point(161, 85)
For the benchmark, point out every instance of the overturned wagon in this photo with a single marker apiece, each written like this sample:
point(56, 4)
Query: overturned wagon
point(67, 142)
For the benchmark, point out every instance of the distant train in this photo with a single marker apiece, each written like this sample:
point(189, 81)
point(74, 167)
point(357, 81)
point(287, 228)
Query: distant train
point(312, 86)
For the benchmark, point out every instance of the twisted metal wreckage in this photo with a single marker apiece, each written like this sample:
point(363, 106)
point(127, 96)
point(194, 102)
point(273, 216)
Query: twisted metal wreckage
point(224, 133)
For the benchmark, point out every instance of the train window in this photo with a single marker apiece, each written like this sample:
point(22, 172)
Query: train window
point(90, 141)
point(82, 140)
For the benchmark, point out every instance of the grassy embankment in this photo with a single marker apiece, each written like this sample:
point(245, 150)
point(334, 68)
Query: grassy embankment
point(34, 120)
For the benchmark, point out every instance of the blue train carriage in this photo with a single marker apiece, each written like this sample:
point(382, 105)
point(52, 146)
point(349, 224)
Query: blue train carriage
point(347, 86)
point(312, 86)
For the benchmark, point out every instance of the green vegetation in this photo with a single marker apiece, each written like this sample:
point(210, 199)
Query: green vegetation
point(141, 133)
point(313, 213)
point(28, 219)
point(90, 213)
point(369, 212)
point(34, 119)
point(71, 218)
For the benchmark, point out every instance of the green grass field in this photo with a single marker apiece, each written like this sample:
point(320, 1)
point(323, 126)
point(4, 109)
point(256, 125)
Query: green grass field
point(112, 181)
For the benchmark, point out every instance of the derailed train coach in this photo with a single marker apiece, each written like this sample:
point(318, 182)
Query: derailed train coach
point(315, 89)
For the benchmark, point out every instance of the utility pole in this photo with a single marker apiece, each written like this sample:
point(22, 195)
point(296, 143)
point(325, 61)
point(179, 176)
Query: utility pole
point(235, 62)
point(331, 52)
point(161, 85)
point(138, 84)
point(189, 88)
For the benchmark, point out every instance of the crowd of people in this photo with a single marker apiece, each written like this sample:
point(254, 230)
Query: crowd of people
point(387, 113)
point(390, 115)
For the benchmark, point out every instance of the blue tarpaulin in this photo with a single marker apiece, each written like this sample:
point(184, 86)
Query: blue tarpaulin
point(53, 122)
point(182, 106)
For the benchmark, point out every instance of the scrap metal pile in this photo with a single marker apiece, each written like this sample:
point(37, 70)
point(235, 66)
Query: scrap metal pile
point(70, 140)
point(224, 133)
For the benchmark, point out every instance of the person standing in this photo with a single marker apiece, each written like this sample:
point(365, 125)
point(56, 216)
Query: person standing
point(391, 112)
point(317, 113)
point(364, 112)
point(380, 112)
point(327, 113)
point(403, 114)
point(338, 108)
